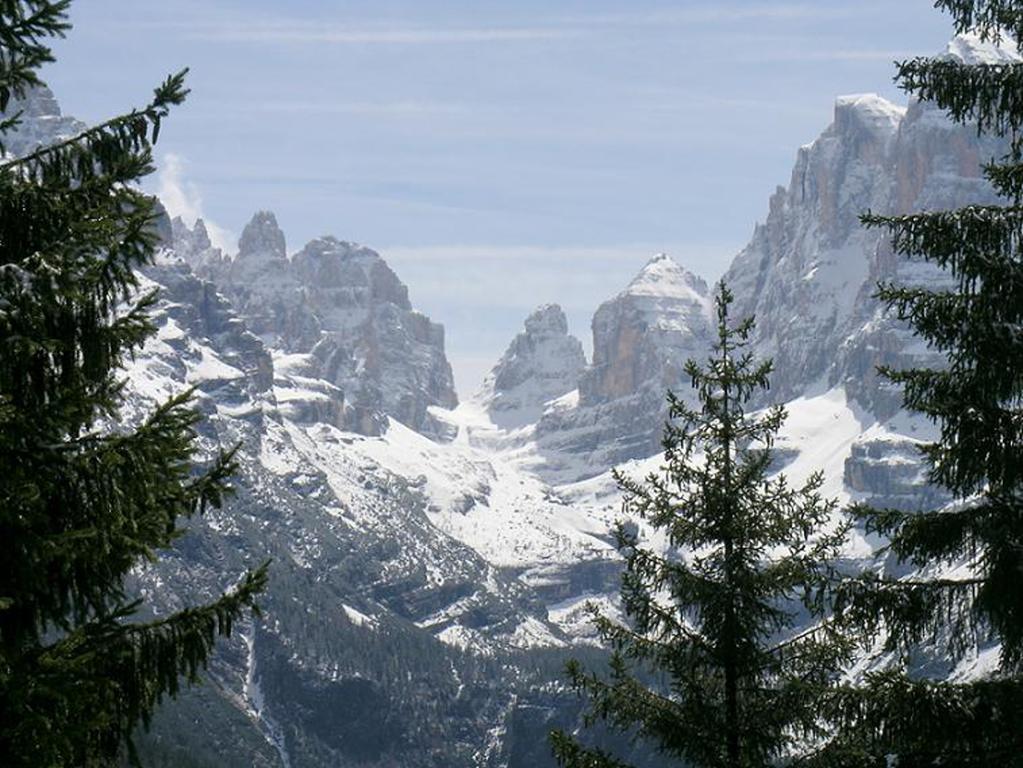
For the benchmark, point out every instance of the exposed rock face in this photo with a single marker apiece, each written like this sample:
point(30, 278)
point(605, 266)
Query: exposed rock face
point(889, 471)
point(643, 336)
point(934, 165)
point(577, 442)
point(193, 245)
point(41, 122)
point(303, 397)
point(196, 313)
point(262, 237)
point(808, 276)
point(542, 363)
point(360, 573)
point(189, 242)
point(341, 304)
point(810, 271)
point(641, 341)
point(809, 266)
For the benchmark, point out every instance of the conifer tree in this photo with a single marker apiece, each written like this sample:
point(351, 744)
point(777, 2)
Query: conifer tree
point(710, 668)
point(969, 584)
point(85, 498)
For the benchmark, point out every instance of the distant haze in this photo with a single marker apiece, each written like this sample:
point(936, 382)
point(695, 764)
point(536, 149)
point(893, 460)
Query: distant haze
point(499, 155)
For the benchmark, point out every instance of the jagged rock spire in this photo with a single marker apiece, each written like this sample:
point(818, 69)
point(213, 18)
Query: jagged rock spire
point(262, 236)
point(643, 335)
point(542, 363)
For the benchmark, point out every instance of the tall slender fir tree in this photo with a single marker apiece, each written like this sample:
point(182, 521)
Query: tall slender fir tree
point(969, 555)
point(83, 497)
point(713, 619)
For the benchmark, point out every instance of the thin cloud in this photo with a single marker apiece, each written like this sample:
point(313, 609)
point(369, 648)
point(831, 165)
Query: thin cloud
point(291, 30)
point(335, 35)
point(517, 253)
point(182, 198)
point(388, 108)
point(515, 276)
point(836, 55)
point(715, 14)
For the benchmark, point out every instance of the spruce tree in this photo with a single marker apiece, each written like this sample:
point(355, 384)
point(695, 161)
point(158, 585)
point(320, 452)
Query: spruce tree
point(85, 497)
point(711, 668)
point(968, 586)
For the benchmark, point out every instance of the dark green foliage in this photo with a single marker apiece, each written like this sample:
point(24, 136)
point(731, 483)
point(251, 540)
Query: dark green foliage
point(991, 18)
point(24, 25)
point(977, 401)
point(925, 723)
point(85, 498)
point(202, 728)
point(710, 669)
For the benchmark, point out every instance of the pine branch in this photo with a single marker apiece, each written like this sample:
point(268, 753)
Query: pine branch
point(116, 501)
point(985, 94)
point(922, 722)
point(967, 241)
point(905, 613)
point(570, 754)
point(989, 18)
point(1007, 178)
point(627, 704)
point(22, 53)
point(925, 537)
point(676, 642)
point(89, 153)
point(126, 668)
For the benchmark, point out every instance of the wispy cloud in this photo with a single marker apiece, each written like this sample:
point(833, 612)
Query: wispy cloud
point(717, 13)
point(292, 32)
point(866, 54)
point(182, 198)
point(291, 28)
point(513, 254)
point(580, 277)
point(371, 108)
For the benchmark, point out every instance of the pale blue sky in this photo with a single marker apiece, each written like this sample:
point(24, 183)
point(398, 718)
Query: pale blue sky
point(498, 154)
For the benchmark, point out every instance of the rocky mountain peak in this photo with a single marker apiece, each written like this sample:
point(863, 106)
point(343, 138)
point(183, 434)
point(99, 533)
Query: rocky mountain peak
point(811, 270)
point(643, 335)
point(642, 338)
point(663, 277)
point(547, 319)
point(348, 277)
point(869, 113)
point(262, 236)
point(344, 312)
point(42, 122)
point(193, 244)
point(38, 103)
point(542, 363)
point(970, 49)
point(200, 237)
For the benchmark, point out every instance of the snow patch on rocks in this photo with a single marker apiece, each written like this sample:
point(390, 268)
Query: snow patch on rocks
point(541, 364)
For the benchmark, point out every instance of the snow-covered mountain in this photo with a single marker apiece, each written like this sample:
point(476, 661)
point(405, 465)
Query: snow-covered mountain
point(371, 602)
point(345, 310)
point(642, 338)
point(41, 122)
point(431, 559)
point(542, 363)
